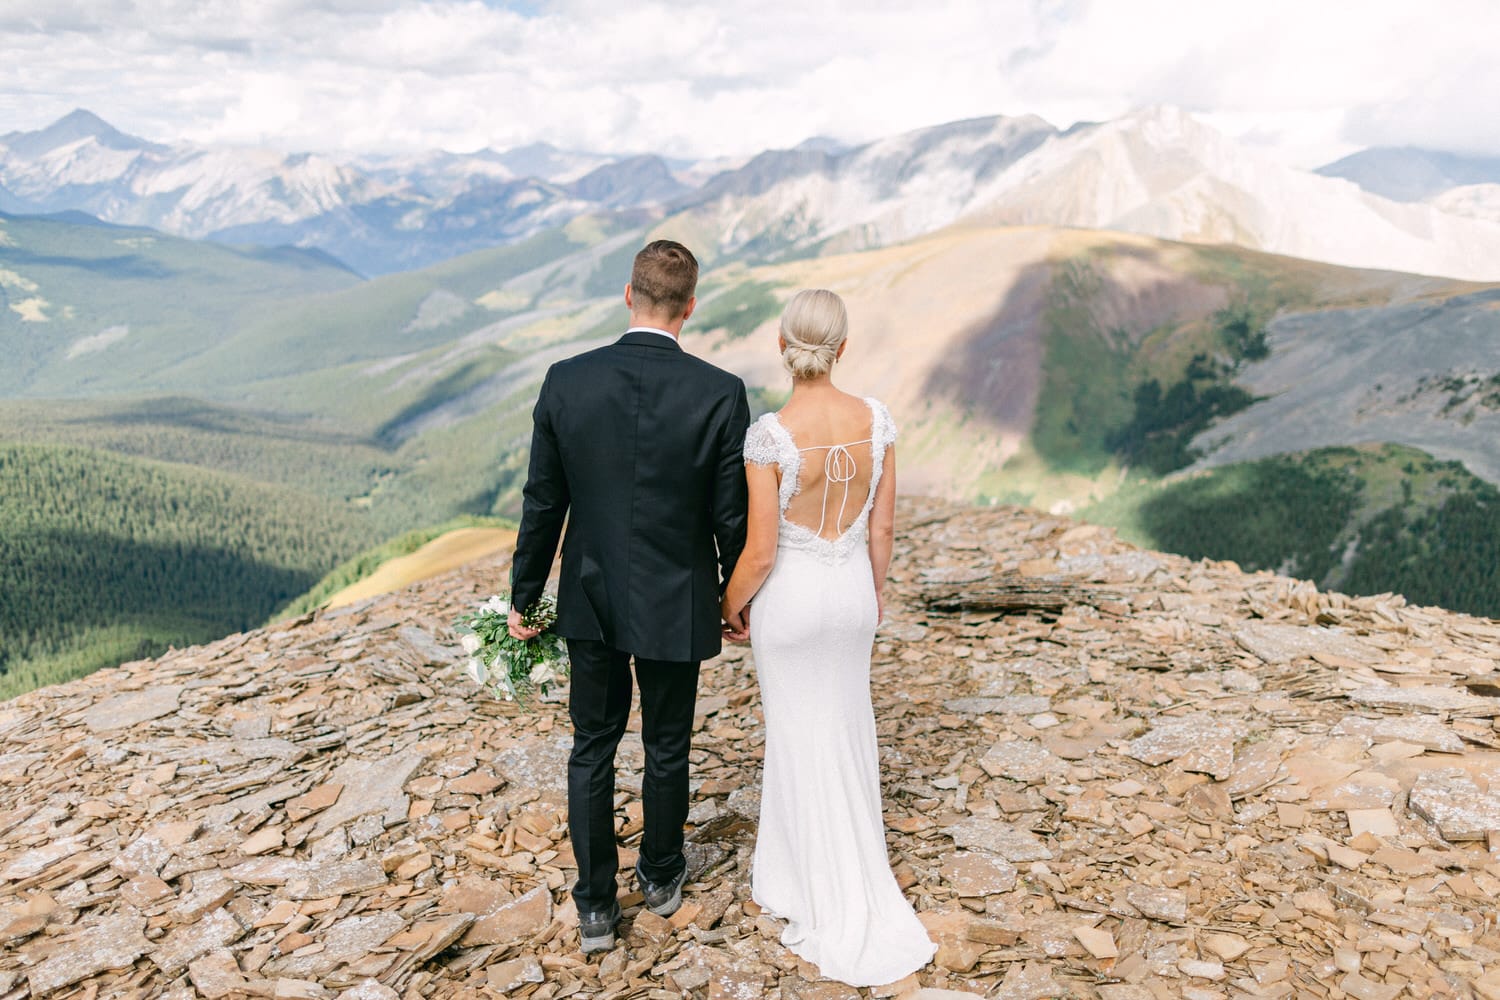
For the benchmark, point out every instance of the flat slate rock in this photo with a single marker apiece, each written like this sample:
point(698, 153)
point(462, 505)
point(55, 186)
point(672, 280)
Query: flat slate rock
point(1169, 905)
point(370, 787)
point(1454, 803)
point(1278, 643)
point(1021, 760)
point(541, 764)
point(346, 941)
point(114, 942)
point(1423, 732)
point(512, 921)
point(1197, 742)
point(1019, 704)
point(191, 941)
point(133, 708)
point(39, 859)
point(1426, 698)
point(1015, 846)
point(977, 874)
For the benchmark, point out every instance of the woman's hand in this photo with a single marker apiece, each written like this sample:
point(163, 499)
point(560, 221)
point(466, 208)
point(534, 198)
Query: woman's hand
point(736, 623)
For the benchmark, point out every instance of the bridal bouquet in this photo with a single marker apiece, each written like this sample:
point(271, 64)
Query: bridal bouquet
point(513, 668)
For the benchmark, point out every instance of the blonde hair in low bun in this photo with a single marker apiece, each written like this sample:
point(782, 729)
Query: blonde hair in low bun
point(814, 325)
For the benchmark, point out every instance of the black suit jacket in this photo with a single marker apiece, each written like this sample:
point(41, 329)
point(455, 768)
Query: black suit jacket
point(639, 447)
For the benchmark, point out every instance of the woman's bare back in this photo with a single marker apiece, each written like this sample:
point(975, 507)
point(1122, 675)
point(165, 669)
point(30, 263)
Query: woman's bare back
point(832, 433)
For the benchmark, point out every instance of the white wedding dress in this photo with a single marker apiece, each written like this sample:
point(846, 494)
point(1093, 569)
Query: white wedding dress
point(820, 853)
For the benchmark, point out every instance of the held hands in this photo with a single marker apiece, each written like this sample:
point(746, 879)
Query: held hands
point(736, 624)
point(518, 630)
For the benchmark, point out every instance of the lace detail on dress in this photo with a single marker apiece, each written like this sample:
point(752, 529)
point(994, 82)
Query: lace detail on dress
point(882, 436)
point(768, 441)
point(762, 446)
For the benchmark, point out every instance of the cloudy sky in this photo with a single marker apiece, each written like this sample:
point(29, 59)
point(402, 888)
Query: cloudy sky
point(1306, 79)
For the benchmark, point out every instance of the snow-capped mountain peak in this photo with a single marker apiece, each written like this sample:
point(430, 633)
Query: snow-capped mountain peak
point(1157, 171)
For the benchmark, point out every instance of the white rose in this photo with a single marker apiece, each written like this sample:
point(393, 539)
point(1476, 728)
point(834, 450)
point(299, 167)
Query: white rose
point(475, 669)
point(471, 643)
point(541, 673)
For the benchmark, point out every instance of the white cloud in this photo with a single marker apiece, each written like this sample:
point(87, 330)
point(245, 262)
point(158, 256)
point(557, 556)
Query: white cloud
point(711, 78)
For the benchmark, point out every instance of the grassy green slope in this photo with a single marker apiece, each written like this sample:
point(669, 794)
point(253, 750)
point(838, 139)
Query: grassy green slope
point(360, 566)
point(400, 314)
point(88, 308)
point(1139, 395)
point(1365, 520)
point(104, 557)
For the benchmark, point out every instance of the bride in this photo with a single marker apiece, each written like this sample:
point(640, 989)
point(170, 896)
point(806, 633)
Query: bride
point(822, 486)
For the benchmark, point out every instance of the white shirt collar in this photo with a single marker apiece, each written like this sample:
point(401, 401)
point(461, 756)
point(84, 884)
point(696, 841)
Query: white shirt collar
point(652, 329)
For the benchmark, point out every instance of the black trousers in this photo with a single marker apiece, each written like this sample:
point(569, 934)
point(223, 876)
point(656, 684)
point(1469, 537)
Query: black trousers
point(599, 705)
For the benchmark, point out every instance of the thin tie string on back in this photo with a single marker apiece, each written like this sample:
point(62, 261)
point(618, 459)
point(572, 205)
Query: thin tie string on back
point(838, 467)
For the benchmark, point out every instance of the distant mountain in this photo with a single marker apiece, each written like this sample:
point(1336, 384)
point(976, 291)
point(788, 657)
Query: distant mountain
point(545, 161)
point(82, 163)
point(791, 201)
point(823, 144)
point(386, 215)
point(1477, 201)
point(442, 174)
point(75, 127)
point(398, 232)
point(1407, 173)
point(1158, 172)
point(638, 180)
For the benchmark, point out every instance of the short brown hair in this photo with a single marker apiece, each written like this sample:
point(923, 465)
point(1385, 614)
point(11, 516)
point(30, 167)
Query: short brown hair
point(664, 277)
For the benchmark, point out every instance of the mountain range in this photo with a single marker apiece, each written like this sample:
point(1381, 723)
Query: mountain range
point(1010, 299)
point(1158, 172)
point(1452, 183)
point(378, 217)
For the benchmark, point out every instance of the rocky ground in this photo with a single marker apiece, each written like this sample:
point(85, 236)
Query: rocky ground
point(1107, 772)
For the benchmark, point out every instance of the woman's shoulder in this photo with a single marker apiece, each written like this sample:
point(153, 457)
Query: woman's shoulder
point(763, 440)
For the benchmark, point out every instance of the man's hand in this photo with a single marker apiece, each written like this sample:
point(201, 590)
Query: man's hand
point(518, 629)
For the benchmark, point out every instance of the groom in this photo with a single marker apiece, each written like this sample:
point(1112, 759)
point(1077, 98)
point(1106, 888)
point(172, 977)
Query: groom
point(637, 447)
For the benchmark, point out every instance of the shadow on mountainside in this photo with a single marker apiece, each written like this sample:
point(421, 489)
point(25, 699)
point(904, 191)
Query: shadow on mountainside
point(1076, 338)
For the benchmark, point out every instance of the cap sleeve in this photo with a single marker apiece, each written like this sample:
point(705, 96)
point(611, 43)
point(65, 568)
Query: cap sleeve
point(883, 429)
point(760, 444)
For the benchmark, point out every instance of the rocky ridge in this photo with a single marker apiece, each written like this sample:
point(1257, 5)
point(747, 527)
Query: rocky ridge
point(1107, 773)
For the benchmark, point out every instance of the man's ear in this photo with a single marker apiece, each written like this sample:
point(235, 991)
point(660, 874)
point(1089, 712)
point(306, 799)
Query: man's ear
point(692, 304)
point(629, 296)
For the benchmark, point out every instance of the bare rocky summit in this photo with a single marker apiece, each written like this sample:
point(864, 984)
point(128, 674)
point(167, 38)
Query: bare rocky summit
point(1108, 773)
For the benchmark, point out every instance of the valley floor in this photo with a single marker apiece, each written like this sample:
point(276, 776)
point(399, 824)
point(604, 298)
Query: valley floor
point(1107, 773)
